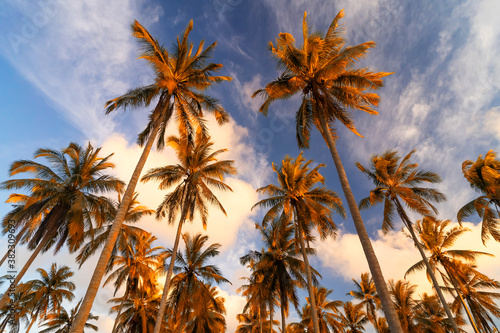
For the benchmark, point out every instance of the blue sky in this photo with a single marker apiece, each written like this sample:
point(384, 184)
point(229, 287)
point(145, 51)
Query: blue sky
point(60, 61)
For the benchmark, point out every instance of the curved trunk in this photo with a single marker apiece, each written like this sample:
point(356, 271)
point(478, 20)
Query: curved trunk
point(166, 287)
point(310, 289)
point(100, 269)
point(19, 275)
point(119, 310)
point(459, 294)
point(373, 264)
point(409, 225)
point(18, 238)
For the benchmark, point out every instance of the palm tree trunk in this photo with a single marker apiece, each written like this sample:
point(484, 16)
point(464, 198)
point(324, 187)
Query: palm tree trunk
point(409, 225)
point(120, 310)
point(283, 317)
point(261, 319)
point(19, 276)
point(312, 297)
point(166, 287)
point(378, 277)
point(18, 238)
point(100, 269)
point(459, 294)
point(271, 319)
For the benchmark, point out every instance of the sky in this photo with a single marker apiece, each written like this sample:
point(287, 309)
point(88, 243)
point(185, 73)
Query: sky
point(61, 60)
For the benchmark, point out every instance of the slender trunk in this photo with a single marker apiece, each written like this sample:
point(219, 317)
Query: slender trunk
point(409, 225)
point(373, 264)
point(144, 321)
point(100, 270)
point(166, 288)
point(120, 310)
point(271, 319)
point(310, 289)
point(283, 317)
point(459, 294)
point(18, 238)
point(261, 319)
point(40, 246)
point(33, 320)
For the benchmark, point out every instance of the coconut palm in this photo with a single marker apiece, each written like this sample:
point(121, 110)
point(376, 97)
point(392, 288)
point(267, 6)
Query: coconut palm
point(250, 322)
point(353, 318)
point(193, 273)
point(395, 181)
point(484, 177)
point(64, 192)
point(431, 317)
point(436, 240)
point(402, 293)
point(328, 313)
point(128, 233)
point(324, 72)
point(295, 200)
point(208, 313)
point(61, 323)
point(181, 76)
point(260, 298)
point(367, 294)
point(280, 266)
point(50, 291)
point(198, 171)
point(135, 266)
point(481, 295)
point(17, 312)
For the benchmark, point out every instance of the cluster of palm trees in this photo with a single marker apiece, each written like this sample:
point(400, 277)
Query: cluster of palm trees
point(66, 203)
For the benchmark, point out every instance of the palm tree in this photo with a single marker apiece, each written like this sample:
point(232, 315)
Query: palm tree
point(135, 266)
point(64, 193)
point(478, 291)
point(180, 79)
point(128, 234)
point(328, 313)
point(250, 322)
point(431, 317)
point(295, 200)
point(437, 240)
point(484, 177)
point(62, 322)
point(17, 311)
point(395, 181)
point(260, 298)
point(50, 291)
point(193, 275)
point(279, 265)
point(323, 71)
point(198, 171)
point(367, 294)
point(208, 313)
point(402, 292)
point(353, 317)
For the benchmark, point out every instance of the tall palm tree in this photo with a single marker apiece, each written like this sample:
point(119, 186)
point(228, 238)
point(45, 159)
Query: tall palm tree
point(64, 192)
point(450, 263)
point(353, 318)
point(62, 322)
point(324, 71)
point(295, 200)
point(395, 181)
point(181, 77)
point(193, 274)
point(198, 171)
point(250, 322)
point(50, 291)
point(280, 266)
point(135, 266)
point(431, 317)
point(367, 294)
point(484, 177)
point(260, 298)
point(328, 312)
